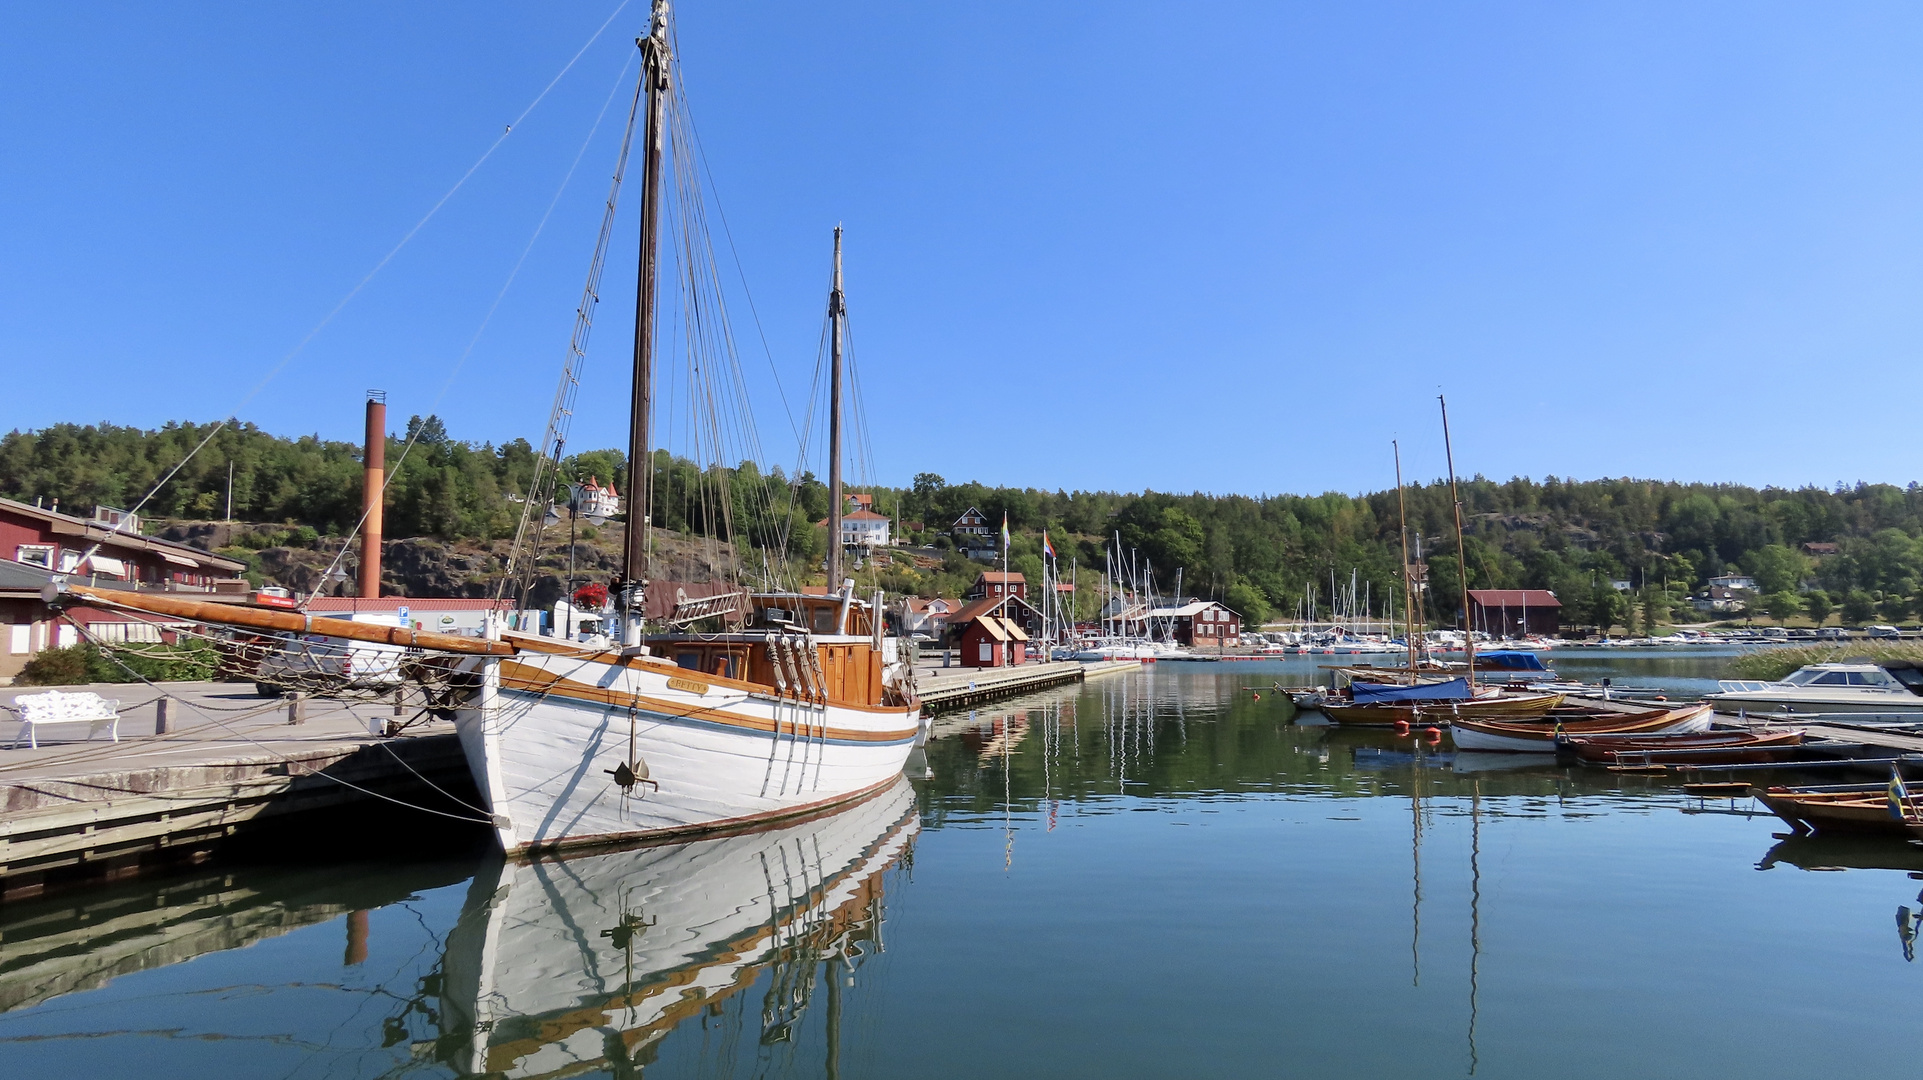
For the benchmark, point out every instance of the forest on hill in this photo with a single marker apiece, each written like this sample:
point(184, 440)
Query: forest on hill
point(1261, 555)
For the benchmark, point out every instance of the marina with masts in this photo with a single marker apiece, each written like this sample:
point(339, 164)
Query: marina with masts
point(695, 739)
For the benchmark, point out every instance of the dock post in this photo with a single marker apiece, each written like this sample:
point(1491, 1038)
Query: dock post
point(296, 709)
point(163, 715)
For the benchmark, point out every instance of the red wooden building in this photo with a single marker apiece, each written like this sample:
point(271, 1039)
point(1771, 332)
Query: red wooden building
point(36, 543)
point(1200, 623)
point(1502, 613)
point(993, 583)
point(994, 631)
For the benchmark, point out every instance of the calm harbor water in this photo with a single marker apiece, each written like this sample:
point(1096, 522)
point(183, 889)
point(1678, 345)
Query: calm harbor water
point(1151, 875)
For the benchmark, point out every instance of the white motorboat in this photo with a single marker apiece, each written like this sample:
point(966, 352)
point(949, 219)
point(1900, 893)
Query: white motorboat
point(1851, 686)
point(1120, 649)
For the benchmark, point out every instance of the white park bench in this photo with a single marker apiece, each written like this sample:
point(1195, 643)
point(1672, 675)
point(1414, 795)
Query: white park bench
point(54, 707)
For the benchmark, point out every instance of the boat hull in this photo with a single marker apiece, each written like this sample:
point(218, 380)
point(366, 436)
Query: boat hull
point(1832, 812)
point(1541, 738)
point(1769, 701)
point(550, 734)
point(1517, 707)
point(1689, 748)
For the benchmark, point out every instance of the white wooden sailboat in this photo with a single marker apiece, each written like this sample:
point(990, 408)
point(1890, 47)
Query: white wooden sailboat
point(790, 704)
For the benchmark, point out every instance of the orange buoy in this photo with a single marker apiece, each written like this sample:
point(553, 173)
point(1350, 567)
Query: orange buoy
point(1434, 734)
point(1402, 727)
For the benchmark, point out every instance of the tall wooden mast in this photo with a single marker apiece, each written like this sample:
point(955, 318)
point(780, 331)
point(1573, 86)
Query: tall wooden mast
point(634, 560)
point(837, 312)
point(1462, 555)
point(1408, 586)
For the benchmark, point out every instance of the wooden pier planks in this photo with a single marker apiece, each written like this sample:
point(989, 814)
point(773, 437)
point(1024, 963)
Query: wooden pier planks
point(972, 686)
point(99, 811)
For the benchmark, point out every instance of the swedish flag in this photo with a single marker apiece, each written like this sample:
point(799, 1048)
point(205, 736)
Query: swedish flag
point(1899, 796)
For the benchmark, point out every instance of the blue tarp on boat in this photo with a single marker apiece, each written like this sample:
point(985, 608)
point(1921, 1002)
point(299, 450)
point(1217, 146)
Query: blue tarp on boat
point(1368, 693)
point(1509, 660)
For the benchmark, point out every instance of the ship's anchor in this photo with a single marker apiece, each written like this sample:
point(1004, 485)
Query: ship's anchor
point(629, 774)
point(634, 770)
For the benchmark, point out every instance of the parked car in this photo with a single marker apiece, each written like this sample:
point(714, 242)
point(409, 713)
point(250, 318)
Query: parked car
point(1884, 632)
point(1832, 633)
point(323, 665)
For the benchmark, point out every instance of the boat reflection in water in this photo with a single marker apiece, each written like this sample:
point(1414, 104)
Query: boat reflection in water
point(1859, 853)
point(584, 962)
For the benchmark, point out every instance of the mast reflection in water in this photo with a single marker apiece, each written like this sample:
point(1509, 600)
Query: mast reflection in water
point(587, 962)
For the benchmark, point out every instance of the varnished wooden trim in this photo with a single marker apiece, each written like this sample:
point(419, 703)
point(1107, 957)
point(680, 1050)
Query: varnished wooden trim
point(656, 662)
point(534, 680)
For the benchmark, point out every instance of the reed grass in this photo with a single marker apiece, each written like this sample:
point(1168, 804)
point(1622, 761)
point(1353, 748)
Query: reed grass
point(1773, 664)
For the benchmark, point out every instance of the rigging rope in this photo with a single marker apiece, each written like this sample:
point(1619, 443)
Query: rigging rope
point(308, 338)
point(461, 362)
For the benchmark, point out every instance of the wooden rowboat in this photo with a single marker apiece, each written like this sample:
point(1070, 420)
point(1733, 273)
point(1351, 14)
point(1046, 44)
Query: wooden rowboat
point(1418, 713)
point(1843, 808)
point(1540, 738)
point(1686, 748)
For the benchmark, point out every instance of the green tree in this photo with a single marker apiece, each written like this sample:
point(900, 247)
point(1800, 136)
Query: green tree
point(1606, 606)
point(1818, 605)
point(428, 431)
point(1249, 602)
point(1895, 605)
point(1655, 609)
point(1781, 605)
point(1858, 607)
point(1776, 568)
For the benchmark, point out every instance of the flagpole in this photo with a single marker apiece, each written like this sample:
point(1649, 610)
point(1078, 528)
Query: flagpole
point(1008, 660)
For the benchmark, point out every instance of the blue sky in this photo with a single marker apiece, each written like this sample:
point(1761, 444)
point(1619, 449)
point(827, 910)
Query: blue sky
point(1220, 246)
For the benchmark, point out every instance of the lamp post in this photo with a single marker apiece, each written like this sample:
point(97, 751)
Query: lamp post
point(576, 494)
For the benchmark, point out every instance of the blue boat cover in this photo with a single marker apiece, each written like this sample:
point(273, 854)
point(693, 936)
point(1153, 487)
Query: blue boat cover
point(1368, 693)
point(1510, 659)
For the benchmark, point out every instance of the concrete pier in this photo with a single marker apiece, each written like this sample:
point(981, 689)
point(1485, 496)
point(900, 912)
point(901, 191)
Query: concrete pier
point(229, 762)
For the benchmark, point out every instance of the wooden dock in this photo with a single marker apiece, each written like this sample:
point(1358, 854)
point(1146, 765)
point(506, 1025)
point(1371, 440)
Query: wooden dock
point(1849, 733)
point(972, 686)
point(231, 764)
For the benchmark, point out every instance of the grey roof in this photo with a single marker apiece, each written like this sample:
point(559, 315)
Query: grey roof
point(92, 531)
point(17, 578)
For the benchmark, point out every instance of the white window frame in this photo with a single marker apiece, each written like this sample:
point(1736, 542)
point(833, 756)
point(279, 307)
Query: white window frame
point(24, 553)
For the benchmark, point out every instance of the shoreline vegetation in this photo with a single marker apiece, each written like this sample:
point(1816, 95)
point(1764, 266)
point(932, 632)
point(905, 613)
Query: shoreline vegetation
point(1769, 665)
point(1617, 552)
